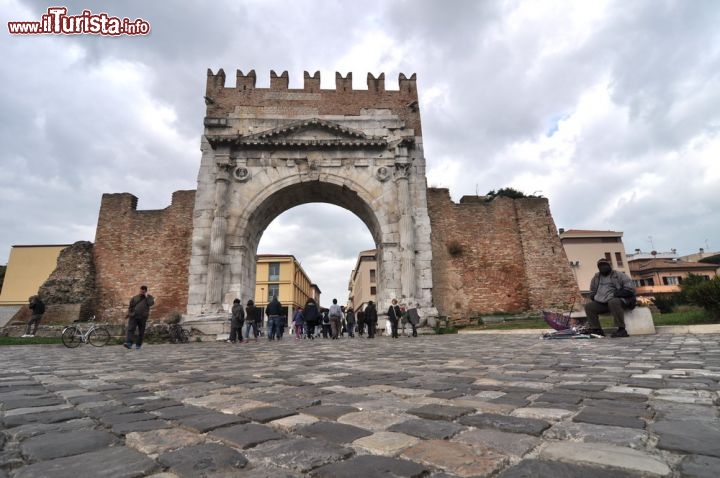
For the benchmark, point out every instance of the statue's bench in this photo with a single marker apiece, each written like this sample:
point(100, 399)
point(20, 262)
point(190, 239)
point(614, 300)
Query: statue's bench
point(638, 321)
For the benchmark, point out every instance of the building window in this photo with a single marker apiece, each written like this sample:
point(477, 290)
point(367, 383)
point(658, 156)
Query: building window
point(274, 271)
point(645, 282)
point(372, 275)
point(618, 259)
point(671, 280)
point(273, 291)
point(373, 290)
point(608, 257)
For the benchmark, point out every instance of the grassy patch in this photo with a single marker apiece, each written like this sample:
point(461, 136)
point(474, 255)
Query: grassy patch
point(29, 340)
point(685, 315)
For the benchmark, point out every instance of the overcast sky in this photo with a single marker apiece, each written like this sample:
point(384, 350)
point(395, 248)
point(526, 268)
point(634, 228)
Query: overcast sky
point(611, 109)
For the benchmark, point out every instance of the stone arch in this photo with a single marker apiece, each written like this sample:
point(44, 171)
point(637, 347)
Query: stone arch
point(246, 230)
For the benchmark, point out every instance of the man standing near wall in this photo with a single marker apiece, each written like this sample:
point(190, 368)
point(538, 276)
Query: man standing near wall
point(138, 313)
point(37, 307)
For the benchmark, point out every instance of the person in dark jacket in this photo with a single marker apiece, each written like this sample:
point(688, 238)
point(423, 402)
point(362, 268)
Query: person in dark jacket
point(252, 317)
point(350, 322)
point(37, 307)
point(610, 291)
point(360, 322)
point(371, 319)
point(394, 317)
point(311, 314)
point(274, 313)
point(138, 313)
point(236, 322)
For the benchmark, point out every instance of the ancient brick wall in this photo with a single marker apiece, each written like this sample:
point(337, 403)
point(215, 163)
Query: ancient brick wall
point(134, 247)
point(244, 98)
point(502, 255)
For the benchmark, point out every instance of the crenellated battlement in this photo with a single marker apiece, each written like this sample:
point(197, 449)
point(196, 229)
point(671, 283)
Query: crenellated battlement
point(244, 82)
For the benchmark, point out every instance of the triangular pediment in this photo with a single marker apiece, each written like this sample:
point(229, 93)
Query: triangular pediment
point(306, 133)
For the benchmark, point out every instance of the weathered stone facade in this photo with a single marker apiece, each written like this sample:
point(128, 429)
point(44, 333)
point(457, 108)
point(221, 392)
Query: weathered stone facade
point(499, 255)
point(134, 247)
point(266, 150)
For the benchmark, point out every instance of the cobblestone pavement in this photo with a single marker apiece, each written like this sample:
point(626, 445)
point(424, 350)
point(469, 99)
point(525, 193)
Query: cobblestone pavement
point(439, 406)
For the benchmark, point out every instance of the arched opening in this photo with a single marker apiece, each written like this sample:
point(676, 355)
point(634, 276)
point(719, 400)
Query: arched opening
point(254, 217)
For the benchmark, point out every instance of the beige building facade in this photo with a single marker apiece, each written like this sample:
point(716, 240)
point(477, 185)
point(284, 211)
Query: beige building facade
point(583, 249)
point(27, 268)
point(664, 276)
point(363, 280)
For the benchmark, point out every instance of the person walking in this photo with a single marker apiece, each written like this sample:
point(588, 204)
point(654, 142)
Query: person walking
point(394, 313)
point(350, 322)
point(371, 319)
point(137, 315)
point(360, 322)
point(236, 322)
point(274, 314)
point(298, 321)
point(335, 314)
point(252, 317)
point(311, 314)
point(37, 307)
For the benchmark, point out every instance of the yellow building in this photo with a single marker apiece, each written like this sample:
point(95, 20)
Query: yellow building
point(27, 269)
point(284, 277)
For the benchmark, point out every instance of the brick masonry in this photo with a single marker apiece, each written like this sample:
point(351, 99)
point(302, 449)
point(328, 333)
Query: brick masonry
point(134, 247)
point(502, 255)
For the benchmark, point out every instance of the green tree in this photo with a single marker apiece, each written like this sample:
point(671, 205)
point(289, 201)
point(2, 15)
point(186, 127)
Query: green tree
point(707, 295)
point(689, 283)
point(509, 193)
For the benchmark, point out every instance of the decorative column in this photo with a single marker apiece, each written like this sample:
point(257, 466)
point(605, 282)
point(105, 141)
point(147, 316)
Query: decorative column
point(218, 231)
point(407, 231)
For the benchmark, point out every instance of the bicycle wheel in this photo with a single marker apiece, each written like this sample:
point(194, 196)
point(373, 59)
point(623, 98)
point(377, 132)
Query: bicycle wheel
point(99, 336)
point(71, 337)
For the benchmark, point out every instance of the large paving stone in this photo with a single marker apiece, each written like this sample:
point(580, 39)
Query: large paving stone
point(267, 414)
point(693, 437)
point(587, 432)
point(604, 417)
point(698, 466)
point(428, 429)
point(112, 462)
point(246, 435)
point(210, 421)
point(65, 443)
point(372, 420)
point(386, 443)
point(25, 402)
point(369, 466)
point(329, 412)
point(155, 442)
point(293, 422)
point(52, 416)
point(516, 444)
point(32, 429)
point(440, 412)
point(173, 413)
point(459, 459)
point(333, 432)
point(529, 426)
point(299, 454)
point(603, 454)
point(555, 469)
point(140, 426)
point(203, 460)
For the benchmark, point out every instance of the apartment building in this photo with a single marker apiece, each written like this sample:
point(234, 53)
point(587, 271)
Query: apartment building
point(283, 276)
point(363, 280)
point(583, 249)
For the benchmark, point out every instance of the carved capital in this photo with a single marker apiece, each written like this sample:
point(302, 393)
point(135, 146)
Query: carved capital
point(402, 170)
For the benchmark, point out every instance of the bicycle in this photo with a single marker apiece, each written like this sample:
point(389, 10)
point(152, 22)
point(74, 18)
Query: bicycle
point(178, 334)
point(96, 335)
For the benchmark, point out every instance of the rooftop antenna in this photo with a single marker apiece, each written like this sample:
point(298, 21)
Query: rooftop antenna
point(652, 244)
